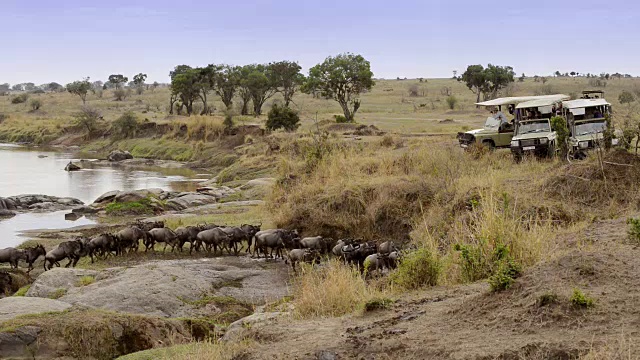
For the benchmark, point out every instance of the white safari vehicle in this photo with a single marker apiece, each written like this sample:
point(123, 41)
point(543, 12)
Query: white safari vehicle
point(498, 128)
point(587, 121)
point(533, 134)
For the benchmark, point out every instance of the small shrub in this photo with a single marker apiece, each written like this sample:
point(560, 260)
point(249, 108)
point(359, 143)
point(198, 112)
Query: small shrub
point(58, 293)
point(626, 97)
point(126, 125)
point(340, 119)
point(377, 304)
point(634, 230)
point(559, 125)
point(120, 94)
point(282, 117)
point(22, 291)
point(417, 269)
point(20, 99)
point(87, 118)
point(547, 299)
point(580, 299)
point(451, 102)
point(36, 104)
point(86, 280)
point(502, 279)
point(387, 141)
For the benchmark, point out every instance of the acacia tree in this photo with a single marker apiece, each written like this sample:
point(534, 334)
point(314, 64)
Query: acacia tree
point(117, 80)
point(243, 88)
point(225, 83)
point(186, 86)
point(54, 86)
point(260, 83)
point(341, 78)
point(80, 88)
point(475, 78)
point(138, 81)
point(287, 78)
point(488, 81)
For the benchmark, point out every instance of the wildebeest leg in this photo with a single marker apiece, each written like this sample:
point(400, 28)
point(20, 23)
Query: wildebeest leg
point(165, 247)
point(75, 261)
point(57, 264)
point(69, 263)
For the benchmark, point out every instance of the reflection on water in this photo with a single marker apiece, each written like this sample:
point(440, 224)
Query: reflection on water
point(34, 171)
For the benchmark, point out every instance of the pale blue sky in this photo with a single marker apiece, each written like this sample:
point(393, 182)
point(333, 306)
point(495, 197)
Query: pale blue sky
point(44, 40)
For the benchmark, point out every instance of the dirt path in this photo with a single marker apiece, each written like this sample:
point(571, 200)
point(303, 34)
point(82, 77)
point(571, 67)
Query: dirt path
point(468, 322)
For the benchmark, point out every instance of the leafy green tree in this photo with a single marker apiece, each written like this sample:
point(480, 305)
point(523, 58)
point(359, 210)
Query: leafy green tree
point(117, 80)
point(341, 78)
point(80, 88)
point(557, 74)
point(476, 79)
point(488, 81)
point(87, 118)
point(138, 82)
point(282, 117)
point(559, 125)
point(287, 78)
point(259, 82)
point(54, 86)
point(126, 125)
point(185, 86)
point(498, 77)
point(243, 89)
point(5, 87)
point(154, 85)
point(226, 83)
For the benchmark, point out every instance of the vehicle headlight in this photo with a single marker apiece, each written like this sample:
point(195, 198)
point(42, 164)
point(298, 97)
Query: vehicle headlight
point(515, 143)
point(583, 144)
point(544, 141)
point(615, 142)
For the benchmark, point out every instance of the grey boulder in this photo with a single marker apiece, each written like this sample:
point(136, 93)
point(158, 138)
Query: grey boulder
point(119, 155)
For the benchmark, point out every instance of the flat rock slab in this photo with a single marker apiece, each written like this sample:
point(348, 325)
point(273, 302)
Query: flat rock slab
point(52, 281)
point(14, 306)
point(167, 288)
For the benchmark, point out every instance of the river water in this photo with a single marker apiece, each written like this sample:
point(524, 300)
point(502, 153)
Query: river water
point(35, 171)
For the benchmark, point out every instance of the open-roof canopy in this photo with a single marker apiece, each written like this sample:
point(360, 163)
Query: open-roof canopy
point(584, 103)
point(514, 100)
point(548, 101)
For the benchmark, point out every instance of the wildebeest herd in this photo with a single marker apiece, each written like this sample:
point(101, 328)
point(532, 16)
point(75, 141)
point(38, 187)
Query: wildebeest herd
point(211, 238)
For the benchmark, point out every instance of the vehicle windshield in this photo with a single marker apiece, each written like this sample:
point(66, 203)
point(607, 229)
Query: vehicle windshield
point(492, 123)
point(589, 128)
point(535, 126)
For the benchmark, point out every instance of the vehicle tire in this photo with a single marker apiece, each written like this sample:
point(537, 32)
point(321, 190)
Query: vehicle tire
point(489, 144)
point(551, 151)
point(517, 158)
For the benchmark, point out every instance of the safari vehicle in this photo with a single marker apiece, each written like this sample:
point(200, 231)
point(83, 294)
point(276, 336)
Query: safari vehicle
point(533, 134)
point(498, 130)
point(587, 121)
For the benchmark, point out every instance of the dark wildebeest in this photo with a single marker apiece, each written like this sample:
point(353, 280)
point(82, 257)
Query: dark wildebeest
point(102, 245)
point(161, 235)
point(236, 236)
point(356, 254)
point(188, 234)
point(273, 239)
point(129, 238)
point(71, 250)
point(148, 225)
point(323, 245)
point(31, 254)
point(213, 238)
point(11, 256)
point(302, 255)
point(376, 262)
point(387, 247)
point(250, 231)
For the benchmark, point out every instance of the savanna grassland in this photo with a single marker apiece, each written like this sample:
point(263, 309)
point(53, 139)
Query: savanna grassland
point(508, 260)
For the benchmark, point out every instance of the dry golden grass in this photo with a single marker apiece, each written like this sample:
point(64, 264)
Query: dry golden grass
point(194, 351)
point(335, 289)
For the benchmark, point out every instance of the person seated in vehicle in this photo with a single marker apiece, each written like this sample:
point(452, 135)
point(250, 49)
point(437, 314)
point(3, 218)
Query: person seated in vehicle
point(597, 114)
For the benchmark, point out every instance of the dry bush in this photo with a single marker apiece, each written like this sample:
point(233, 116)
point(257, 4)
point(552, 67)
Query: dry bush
point(333, 290)
point(196, 351)
point(609, 185)
point(205, 127)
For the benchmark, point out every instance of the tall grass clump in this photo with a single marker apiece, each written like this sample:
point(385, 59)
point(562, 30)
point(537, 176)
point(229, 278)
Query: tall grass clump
point(497, 240)
point(333, 290)
point(205, 128)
